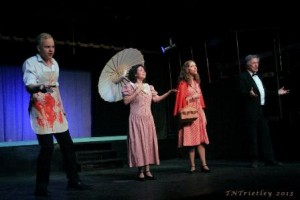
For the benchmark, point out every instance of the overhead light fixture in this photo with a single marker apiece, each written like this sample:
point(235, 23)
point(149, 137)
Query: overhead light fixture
point(171, 46)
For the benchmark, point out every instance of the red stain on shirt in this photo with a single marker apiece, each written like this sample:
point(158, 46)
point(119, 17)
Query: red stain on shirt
point(49, 110)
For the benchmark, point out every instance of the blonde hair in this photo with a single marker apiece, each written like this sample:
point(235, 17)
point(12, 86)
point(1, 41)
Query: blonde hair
point(41, 37)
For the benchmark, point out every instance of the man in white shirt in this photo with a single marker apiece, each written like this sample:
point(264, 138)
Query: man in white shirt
point(47, 115)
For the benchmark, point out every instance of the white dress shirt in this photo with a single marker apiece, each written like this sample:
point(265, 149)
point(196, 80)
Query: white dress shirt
point(260, 88)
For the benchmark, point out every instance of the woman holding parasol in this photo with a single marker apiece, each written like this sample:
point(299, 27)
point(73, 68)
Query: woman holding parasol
point(142, 138)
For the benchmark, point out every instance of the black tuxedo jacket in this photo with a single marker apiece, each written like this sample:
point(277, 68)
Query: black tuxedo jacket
point(250, 106)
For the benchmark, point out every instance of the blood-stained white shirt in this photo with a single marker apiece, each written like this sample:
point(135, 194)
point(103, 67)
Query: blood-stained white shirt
point(46, 111)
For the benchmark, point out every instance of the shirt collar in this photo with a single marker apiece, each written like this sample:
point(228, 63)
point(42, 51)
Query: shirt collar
point(251, 73)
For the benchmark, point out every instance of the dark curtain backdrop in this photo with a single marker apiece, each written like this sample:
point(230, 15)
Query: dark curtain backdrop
point(75, 88)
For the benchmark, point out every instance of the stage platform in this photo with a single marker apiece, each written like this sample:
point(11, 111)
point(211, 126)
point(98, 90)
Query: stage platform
point(229, 180)
point(20, 157)
point(75, 140)
point(92, 153)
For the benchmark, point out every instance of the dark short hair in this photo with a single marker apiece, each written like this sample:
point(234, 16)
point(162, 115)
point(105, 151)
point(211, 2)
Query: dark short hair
point(133, 71)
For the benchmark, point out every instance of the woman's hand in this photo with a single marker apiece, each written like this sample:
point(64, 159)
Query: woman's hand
point(173, 90)
point(191, 98)
point(139, 87)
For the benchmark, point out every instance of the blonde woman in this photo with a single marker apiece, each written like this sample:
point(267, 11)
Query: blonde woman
point(193, 135)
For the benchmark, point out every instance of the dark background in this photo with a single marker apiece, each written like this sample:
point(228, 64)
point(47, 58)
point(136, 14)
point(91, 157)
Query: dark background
point(216, 35)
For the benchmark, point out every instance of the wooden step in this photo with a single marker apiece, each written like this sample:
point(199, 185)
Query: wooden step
point(95, 155)
point(101, 164)
point(101, 154)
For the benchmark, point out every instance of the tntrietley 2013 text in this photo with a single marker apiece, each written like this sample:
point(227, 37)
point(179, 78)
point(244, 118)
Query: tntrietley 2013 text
point(258, 193)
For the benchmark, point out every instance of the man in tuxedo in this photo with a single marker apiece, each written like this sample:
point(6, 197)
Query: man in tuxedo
point(253, 96)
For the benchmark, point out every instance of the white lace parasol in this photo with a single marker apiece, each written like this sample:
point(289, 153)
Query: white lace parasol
point(114, 74)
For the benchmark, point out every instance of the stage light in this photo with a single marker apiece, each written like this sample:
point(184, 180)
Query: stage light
point(171, 46)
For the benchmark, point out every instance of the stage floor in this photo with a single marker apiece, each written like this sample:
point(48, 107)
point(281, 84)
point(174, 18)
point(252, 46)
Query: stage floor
point(228, 180)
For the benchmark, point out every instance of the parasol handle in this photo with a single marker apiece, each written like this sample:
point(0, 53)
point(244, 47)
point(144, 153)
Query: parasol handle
point(118, 80)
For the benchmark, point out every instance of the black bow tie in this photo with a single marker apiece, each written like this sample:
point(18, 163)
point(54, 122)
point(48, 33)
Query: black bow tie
point(254, 74)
